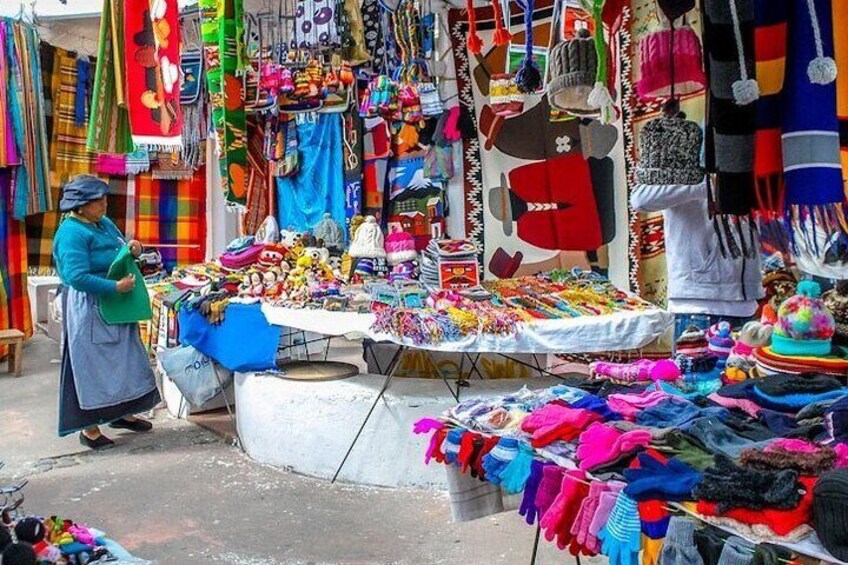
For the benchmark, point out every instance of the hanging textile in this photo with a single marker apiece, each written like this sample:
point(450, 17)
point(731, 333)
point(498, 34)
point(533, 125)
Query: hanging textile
point(13, 262)
point(731, 118)
point(770, 53)
point(171, 218)
point(68, 156)
point(811, 161)
point(109, 125)
point(376, 150)
point(318, 186)
point(120, 206)
point(31, 192)
point(352, 134)
point(840, 47)
point(416, 204)
point(221, 43)
point(8, 145)
point(152, 43)
point(258, 178)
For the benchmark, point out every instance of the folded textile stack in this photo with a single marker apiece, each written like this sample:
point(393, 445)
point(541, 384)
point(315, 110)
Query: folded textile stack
point(443, 253)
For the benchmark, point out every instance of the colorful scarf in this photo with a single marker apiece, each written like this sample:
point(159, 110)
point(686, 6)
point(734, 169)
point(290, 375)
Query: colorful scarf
point(8, 145)
point(770, 53)
point(172, 213)
point(152, 41)
point(13, 264)
point(223, 44)
point(730, 127)
point(109, 123)
point(840, 47)
point(811, 160)
point(68, 157)
point(32, 190)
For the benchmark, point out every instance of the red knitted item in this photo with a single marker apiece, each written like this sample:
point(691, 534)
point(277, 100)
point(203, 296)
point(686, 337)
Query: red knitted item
point(781, 522)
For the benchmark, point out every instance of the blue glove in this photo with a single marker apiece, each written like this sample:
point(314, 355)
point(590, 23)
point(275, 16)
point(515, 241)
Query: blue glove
point(655, 480)
point(515, 475)
point(498, 458)
point(531, 487)
point(450, 447)
point(621, 538)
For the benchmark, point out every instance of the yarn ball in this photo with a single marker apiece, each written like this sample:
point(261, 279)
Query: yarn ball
point(822, 70)
point(804, 316)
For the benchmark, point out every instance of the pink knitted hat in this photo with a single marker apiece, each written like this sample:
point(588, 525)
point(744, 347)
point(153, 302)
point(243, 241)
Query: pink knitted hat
point(657, 56)
point(400, 247)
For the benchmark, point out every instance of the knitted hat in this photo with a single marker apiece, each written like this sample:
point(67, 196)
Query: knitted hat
point(572, 68)
point(330, 232)
point(666, 54)
point(671, 152)
point(368, 240)
point(830, 512)
point(720, 340)
point(400, 247)
point(836, 301)
point(752, 336)
point(692, 342)
point(836, 421)
point(804, 326)
point(30, 530)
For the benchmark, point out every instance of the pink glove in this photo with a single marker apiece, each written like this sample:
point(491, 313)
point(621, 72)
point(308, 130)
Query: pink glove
point(559, 518)
point(554, 422)
point(602, 514)
point(549, 487)
point(580, 528)
point(425, 425)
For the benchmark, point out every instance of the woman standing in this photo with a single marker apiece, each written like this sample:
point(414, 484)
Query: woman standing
point(106, 376)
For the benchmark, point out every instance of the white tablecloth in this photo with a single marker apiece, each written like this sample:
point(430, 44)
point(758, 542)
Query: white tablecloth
point(587, 334)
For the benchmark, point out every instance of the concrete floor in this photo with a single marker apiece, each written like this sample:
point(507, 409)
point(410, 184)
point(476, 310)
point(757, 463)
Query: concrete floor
point(182, 495)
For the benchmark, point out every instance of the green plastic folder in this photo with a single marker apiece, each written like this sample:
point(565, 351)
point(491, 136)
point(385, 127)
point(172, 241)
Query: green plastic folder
point(130, 307)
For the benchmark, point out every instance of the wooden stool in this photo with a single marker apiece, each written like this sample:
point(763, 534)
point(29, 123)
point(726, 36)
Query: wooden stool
point(15, 340)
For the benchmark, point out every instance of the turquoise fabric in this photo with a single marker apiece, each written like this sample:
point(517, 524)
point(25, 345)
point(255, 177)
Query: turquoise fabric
point(318, 186)
point(84, 252)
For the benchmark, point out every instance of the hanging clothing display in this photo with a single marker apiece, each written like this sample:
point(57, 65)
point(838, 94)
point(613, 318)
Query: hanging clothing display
point(13, 262)
point(68, 155)
point(318, 187)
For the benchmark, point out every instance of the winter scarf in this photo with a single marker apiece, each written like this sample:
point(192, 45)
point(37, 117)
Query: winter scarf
point(840, 48)
point(728, 37)
point(811, 162)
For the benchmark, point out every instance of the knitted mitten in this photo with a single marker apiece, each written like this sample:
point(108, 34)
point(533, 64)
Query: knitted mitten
point(497, 459)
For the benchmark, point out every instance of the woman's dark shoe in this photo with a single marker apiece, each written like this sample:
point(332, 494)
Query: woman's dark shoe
point(137, 425)
point(102, 442)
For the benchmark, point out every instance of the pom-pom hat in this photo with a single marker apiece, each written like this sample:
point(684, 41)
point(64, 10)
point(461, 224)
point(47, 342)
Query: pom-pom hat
point(804, 326)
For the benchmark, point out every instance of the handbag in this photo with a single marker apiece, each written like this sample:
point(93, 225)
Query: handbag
point(197, 377)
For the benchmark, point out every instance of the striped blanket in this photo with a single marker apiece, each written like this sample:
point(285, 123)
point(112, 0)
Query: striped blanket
point(171, 217)
point(14, 300)
point(68, 157)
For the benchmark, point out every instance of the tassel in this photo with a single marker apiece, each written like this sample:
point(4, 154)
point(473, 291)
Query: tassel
point(501, 36)
point(528, 78)
point(821, 70)
point(475, 44)
point(745, 90)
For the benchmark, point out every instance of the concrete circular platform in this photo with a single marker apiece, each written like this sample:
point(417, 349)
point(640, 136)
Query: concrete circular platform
point(307, 427)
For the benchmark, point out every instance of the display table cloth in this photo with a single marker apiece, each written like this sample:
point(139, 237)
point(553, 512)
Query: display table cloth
point(586, 334)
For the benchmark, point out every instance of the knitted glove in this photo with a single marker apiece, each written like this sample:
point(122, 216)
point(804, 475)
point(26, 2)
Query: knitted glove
point(580, 528)
point(679, 547)
point(435, 448)
point(602, 514)
point(549, 487)
point(651, 550)
point(470, 442)
point(553, 422)
point(654, 517)
point(601, 444)
point(559, 518)
point(487, 446)
point(425, 425)
point(736, 552)
point(450, 447)
point(531, 487)
point(498, 458)
point(622, 536)
point(673, 480)
point(517, 472)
